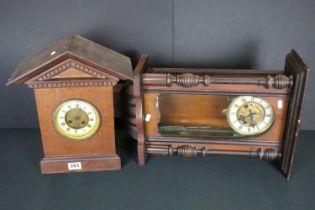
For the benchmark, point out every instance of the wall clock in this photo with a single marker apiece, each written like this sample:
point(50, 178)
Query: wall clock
point(74, 81)
point(197, 112)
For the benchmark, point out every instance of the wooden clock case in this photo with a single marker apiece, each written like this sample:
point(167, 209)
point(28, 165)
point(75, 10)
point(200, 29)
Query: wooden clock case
point(75, 68)
point(195, 97)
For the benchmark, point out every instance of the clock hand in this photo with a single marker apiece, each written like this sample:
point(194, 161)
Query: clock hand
point(251, 115)
point(77, 118)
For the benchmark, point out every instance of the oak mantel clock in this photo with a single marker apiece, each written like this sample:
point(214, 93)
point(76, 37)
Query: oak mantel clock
point(73, 82)
point(198, 112)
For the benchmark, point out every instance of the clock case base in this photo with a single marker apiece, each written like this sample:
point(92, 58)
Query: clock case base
point(88, 163)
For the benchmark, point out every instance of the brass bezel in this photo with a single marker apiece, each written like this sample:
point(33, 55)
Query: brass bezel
point(243, 133)
point(76, 136)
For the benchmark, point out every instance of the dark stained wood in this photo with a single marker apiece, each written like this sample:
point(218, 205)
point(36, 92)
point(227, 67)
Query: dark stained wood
point(133, 131)
point(219, 89)
point(132, 120)
point(217, 146)
point(118, 88)
point(251, 72)
point(188, 97)
point(295, 66)
point(77, 47)
point(188, 150)
point(188, 80)
point(132, 110)
point(237, 141)
point(138, 98)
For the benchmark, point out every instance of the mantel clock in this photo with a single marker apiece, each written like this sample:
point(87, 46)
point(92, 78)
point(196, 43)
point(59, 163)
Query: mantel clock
point(74, 82)
point(197, 112)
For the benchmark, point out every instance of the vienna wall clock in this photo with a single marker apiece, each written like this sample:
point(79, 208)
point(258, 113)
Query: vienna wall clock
point(197, 112)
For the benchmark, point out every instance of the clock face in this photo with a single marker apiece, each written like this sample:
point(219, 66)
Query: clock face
point(76, 119)
point(248, 115)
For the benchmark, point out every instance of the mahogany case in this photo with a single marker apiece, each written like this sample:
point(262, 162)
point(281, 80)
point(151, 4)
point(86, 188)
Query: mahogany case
point(76, 68)
point(178, 111)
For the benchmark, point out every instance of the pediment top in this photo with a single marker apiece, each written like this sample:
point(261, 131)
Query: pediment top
point(80, 49)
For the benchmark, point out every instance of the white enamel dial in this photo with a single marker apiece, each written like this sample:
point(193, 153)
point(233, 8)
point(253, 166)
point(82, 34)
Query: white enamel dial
point(76, 119)
point(248, 115)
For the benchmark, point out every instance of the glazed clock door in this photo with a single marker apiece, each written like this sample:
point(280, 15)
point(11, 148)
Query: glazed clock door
point(294, 66)
point(208, 116)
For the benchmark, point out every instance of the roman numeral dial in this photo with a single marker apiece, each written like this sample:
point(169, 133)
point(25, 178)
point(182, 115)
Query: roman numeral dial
point(76, 119)
point(248, 115)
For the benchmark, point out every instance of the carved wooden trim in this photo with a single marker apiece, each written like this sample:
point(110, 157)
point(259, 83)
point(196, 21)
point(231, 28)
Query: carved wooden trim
point(279, 81)
point(216, 141)
point(74, 83)
point(188, 80)
point(267, 154)
point(245, 72)
point(138, 100)
point(46, 80)
point(187, 151)
point(67, 64)
point(193, 151)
